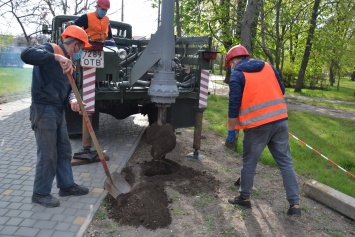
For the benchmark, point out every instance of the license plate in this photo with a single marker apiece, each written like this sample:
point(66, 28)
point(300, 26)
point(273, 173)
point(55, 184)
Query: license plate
point(92, 59)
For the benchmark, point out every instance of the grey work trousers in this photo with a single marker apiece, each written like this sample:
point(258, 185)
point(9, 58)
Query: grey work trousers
point(275, 136)
point(53, 148)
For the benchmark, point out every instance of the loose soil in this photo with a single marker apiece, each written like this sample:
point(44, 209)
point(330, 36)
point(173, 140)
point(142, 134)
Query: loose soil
point(184, 196)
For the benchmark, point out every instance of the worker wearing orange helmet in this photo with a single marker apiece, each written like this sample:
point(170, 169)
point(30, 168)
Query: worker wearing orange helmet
point(257, 105)
point(51, 96)
point(96, 24)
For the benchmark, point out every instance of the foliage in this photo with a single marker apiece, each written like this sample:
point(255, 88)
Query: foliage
point(5, 41)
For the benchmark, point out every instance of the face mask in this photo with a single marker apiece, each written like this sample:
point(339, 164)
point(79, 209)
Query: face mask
point(77, 56)
point(101, 13)
point(232, 70)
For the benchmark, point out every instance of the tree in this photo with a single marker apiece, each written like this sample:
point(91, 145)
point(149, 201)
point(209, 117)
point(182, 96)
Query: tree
point(307, 51)
point(31, 14)
point(250, 21)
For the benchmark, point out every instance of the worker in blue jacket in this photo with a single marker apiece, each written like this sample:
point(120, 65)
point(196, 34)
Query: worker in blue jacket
point(257, 106)
point(51, 95)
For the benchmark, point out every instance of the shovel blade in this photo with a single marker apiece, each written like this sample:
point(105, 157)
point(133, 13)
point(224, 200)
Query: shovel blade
point(117, 185)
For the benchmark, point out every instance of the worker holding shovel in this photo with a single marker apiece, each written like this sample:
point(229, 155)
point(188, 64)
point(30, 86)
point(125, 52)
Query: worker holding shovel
point(51, 96)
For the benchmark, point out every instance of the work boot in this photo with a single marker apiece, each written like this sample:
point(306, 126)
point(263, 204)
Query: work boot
point(240, 201)
point(45, 200)
point(294, 211)
point(74, 190)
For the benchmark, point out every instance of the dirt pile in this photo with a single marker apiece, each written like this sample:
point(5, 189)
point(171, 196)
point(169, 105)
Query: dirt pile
point(148, 204)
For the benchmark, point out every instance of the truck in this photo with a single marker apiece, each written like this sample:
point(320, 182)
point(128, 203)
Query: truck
point(158, 77)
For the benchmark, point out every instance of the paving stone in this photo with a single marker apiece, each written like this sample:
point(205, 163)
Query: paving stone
point(28, 222)
point(14, 221)
point(8, 230)
point(26, 214)
point(27, 231)
point(62, 226)
point(45, 233)
point(4, 219)
point(63, 233)
point(58, 217)
point(13, 213)
point(57, 210)
point(14, 205)
point(26, 207)
point(16, 197)
point(42, 216)
point(45, 225)
point(3, 205)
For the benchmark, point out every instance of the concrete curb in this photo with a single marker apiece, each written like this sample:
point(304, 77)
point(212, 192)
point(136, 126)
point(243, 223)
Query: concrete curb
point(332, 198)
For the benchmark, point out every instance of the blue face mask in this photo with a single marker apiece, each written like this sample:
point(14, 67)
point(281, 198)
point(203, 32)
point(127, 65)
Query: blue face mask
point(77, 56)
point(101, 13)
point(232, 70)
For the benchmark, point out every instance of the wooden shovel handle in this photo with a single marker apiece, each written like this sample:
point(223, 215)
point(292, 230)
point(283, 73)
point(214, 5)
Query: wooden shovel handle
point(88, 124)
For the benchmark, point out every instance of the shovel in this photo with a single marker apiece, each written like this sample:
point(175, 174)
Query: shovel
point(115, 184)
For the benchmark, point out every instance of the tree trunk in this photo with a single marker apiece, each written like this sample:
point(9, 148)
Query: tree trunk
point(308, 48)
point(249, 23)
point(353, 76)
point(331, 74)
point(177, 18)
point(278, 35)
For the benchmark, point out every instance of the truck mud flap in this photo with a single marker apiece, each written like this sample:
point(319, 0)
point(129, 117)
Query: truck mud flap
point(75, 122)
point(182, 113)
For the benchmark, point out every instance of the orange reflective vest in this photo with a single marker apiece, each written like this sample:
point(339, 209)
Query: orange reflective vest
point(97, 28)
point(58, 50)
point(260, 105)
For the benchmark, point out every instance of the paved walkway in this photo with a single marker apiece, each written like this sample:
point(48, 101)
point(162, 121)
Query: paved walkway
point(20, 217)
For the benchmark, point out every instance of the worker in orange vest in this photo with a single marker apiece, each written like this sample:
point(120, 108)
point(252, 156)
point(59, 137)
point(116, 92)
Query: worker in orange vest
point(257, 105)
point(96, 24)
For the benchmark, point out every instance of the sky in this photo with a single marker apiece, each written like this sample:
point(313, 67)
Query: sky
point(138, 13)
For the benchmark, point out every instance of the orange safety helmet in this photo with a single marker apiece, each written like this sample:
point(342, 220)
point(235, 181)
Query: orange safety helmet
point(104, 4)
point(236, 51)
point(77, 33)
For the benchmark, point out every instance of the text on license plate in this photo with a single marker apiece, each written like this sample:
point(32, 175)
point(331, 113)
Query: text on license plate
point(92, 59)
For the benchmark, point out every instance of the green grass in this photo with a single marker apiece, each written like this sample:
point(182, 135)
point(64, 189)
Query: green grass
point(15, 80)
point(346, 91)
point(342, 106)
point(332, 137)
point(202, 200)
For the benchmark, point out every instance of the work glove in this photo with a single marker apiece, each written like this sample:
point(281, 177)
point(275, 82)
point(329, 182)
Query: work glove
point(231, 139)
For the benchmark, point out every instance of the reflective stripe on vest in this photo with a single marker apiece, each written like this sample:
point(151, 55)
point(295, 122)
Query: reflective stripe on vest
point(262, 101)
point(97, 28)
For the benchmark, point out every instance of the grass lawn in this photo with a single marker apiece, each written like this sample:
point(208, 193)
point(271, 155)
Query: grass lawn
point(15, 80)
